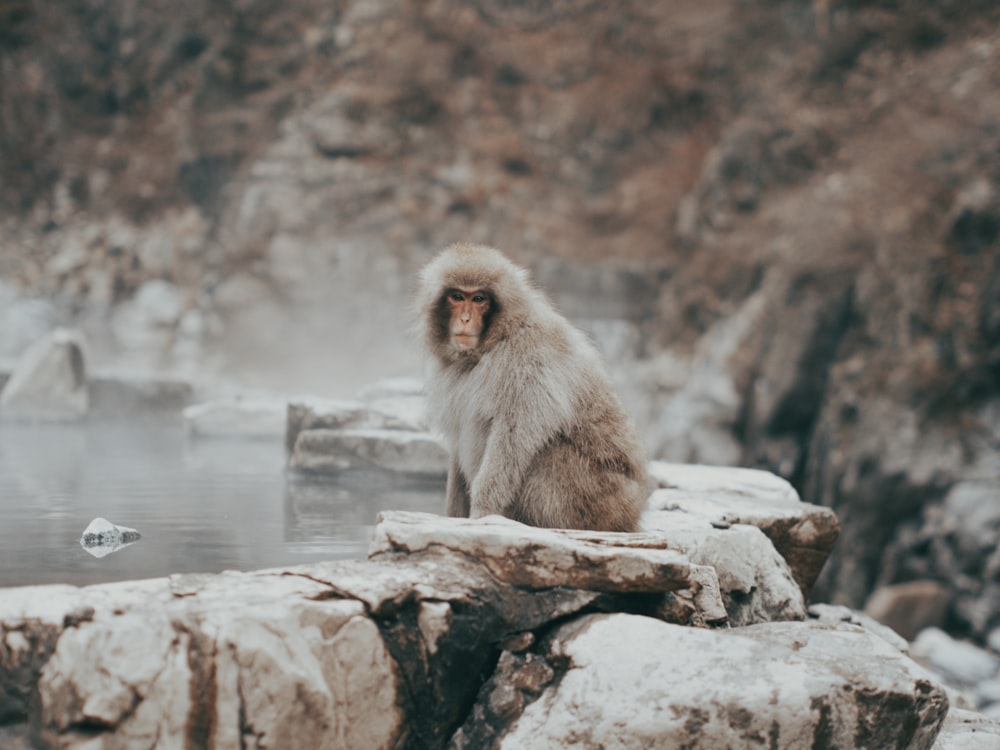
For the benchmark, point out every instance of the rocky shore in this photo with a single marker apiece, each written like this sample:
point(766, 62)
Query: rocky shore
point(459, 633)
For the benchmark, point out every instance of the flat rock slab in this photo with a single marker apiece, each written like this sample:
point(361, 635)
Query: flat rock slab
point(330, 451)
point(322, 414)
point(802, 533)
point(387, 412)
point(780, 685)
point(535, 558)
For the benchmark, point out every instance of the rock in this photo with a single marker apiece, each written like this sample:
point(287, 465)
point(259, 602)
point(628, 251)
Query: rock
point(833, 614)
point(399, 412)
point(101, 537)
point(328, 414)
point(307, 674)
point(401, 451)
point(909, 608)
point(785, 685)
point(803, 534)
point(316, 656)
point(967, 730)
point(535, 558)
point(49, 381)
point(736, 576)
point(238, 418)
point(957, 661)
point(755, 581)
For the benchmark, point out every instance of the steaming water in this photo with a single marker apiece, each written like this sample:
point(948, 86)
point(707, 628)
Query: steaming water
point(201, 505)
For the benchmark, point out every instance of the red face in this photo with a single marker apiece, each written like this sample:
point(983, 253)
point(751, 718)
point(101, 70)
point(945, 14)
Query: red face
point(468, 312)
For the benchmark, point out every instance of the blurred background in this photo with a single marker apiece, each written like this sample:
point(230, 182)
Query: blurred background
point(778, 219)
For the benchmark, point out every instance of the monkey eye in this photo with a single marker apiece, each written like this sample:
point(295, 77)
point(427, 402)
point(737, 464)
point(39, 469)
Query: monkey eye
point(479, 299)
point(457, 296)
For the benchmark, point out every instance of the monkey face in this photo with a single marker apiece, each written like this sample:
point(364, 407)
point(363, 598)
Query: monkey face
point(468, 314)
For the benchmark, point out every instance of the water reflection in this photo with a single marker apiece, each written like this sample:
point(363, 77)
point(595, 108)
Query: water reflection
point(201, 505)
point(355, 500)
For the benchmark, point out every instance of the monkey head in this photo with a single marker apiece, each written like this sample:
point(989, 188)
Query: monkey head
point(470, 295)
point(468, 312)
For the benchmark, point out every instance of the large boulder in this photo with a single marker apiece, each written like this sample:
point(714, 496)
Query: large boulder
point(755, 581)
point(319, 656)
point(49, 381)
point(804, 534)
point(599, 682)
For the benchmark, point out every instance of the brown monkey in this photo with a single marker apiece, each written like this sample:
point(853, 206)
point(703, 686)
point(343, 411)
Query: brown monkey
point(531, 420)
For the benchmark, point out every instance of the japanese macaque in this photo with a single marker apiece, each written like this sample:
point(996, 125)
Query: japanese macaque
point(533, 426)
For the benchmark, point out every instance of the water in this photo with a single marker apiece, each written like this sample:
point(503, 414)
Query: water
point(201, 505)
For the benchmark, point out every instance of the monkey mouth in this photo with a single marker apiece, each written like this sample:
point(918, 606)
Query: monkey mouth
point(465, 340)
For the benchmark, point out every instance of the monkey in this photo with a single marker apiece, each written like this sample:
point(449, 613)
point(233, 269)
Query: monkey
point(533, 427)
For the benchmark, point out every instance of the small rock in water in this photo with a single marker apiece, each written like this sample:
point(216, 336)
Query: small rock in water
point(101, 537)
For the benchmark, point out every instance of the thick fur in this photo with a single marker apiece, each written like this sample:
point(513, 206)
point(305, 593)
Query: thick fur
point(534, 428)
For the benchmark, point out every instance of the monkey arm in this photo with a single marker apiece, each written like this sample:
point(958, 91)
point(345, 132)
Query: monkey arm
point(457, 493)
point(530, 412)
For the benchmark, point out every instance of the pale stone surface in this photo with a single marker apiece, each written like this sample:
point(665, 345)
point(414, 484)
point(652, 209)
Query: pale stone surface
point(401, 451)
point(238, 417)
point(321, 413)
point(537, 558)
point(786, 685)
point(315, 656)
point(305, 674)
point(833, 614)
point(756, 582)
point(398, 413)
point(49, 381)
point(389, 412)
point(967, 730)
point(804, 534)
point(724, 485)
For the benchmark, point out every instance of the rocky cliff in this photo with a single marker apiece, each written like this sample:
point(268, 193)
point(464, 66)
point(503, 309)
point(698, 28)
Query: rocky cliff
point(794, 206)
